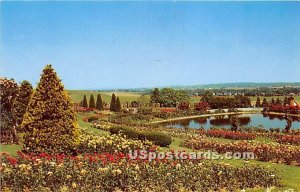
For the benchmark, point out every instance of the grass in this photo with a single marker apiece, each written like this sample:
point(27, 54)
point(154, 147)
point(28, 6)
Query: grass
point(77, 95)
point(10, 148)
point(87, 125)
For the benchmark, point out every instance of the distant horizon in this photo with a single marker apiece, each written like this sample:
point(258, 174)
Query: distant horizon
point(128, 45)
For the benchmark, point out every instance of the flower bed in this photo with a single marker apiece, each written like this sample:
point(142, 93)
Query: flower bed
point(106, 172)
point(92, 143)
point(274, 152)
point(228, 134)
point(105, 126)
point(289, 139)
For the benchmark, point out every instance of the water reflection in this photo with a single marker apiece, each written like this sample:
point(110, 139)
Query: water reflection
point(253, 120)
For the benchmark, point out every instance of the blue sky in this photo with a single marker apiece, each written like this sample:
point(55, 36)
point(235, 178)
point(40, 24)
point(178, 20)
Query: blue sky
point(96, 45)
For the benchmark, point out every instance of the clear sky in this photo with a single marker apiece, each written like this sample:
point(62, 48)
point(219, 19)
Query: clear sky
point(95, 45)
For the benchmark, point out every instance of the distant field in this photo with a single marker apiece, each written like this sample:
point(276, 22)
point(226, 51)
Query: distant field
point(253, 99)
point(77, 95)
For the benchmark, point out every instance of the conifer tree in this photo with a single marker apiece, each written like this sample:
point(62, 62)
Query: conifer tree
point(118, 105)
point(49, 122)
point(81, 103)
point(21, 101)
point(272, 101)
point(84, 102)
point(286, 101)
point(265, 103)
point(278, 101)
point(257, 104)
point(92, 102)
point(99, 102)
point(113, 102)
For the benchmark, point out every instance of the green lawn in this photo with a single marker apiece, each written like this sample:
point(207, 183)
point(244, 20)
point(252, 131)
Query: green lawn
point(11, 149)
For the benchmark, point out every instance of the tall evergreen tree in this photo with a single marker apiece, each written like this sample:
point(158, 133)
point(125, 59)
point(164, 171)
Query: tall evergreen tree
point(92, 102)
point(265, 103)
point(118, 105)
point(84, 102)
point(50, 122)
point(257, 104)
point(278, 101)
point(272, 101)
point(21, 101)
point(113, 102)
point(99, 102)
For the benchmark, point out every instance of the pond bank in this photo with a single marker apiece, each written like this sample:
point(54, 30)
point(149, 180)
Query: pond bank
point(282, 114)
point(254, 111)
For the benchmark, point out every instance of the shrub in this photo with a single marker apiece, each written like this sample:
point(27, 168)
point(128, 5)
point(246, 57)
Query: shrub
point(93, 143)
point(50, 122)
point(157, 138)
point(236, 135)
point(289, 139)
point(127, 131)
point(115, 130)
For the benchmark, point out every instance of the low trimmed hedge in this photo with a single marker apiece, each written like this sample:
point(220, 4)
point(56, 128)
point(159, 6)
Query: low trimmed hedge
point(157, 138)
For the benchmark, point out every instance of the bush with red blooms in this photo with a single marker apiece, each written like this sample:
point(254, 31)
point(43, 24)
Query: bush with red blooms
point(116, 172)
point(226, 134)
point(284, 108)
point(183, 106)
point(289, 139)
point(201, 106)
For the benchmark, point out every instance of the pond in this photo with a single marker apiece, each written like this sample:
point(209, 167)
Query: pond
point(246, 120)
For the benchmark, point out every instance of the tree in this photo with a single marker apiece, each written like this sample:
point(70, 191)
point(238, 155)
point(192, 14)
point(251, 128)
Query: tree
point(92, 102)
point(113, 102)
point(9, 90)
point(286, 101)
point(50, 122)
point(257, 104)
point(272, 101)
point(118, 105)
point(21, 102)
point(278, 101)
point(170, 97)
point(207, 97)
point(99, 102)
point(234, 121)
point(288, 126)
point(84, 102)
point(265, 103)
point(155, 96)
